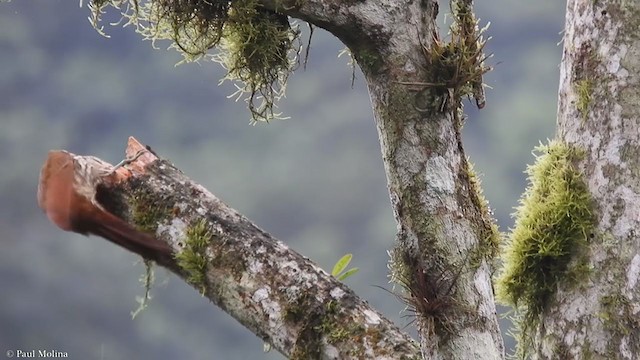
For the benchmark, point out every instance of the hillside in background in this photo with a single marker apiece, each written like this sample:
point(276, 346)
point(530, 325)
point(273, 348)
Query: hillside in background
point(315, 181)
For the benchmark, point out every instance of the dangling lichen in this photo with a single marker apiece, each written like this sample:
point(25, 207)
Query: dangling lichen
point(257, 46)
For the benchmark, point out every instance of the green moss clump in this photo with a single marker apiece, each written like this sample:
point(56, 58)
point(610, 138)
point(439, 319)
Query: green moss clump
point(257, 46)
point(553, 224)
point(489, 234)
point(145, 208)
point(146, 215)
point(584, 90)
point(193, 258)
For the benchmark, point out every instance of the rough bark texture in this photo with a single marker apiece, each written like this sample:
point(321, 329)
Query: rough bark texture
point(599, 113)
point(441, 226)
point(446, 239)
point(281, 296)
point(442, 229)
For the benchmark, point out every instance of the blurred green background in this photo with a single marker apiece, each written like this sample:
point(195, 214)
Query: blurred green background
point(315, 181)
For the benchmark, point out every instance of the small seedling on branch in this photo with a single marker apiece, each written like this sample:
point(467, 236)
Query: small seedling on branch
point(339, 271)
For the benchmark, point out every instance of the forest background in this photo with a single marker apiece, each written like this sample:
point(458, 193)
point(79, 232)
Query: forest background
point(315, 181)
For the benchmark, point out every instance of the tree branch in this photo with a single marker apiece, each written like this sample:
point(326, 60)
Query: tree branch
point(367, 26)
point(446, 240)
point(346, 21)
point(278, 294)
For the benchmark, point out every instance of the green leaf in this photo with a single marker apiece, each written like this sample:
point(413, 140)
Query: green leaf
point(341, 265)
point(348, 273)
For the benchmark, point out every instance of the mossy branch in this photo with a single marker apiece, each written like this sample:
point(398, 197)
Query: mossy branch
point(281, 296)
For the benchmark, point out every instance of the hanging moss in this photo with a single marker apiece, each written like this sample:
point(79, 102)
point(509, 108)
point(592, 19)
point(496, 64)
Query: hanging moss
point(257, 46)
point(553, 224)
point(256, 49)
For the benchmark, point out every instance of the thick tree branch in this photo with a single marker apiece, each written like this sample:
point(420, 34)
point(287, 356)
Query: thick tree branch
point(446, 238)
point(369, 28)
point(346, 21)
point(278, 294)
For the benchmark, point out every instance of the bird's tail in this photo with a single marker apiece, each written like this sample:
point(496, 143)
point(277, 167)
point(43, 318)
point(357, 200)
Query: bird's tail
point(144, 244)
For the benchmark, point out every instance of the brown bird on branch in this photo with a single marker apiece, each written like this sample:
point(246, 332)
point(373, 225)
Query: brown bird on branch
point(67, 194)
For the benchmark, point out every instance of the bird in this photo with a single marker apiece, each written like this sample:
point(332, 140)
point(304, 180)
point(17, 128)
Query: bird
point(67, 195)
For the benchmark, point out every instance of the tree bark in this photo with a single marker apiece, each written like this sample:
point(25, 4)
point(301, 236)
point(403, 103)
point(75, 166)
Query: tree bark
point(598, 113)
point(445, 242)
point(278, 294)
